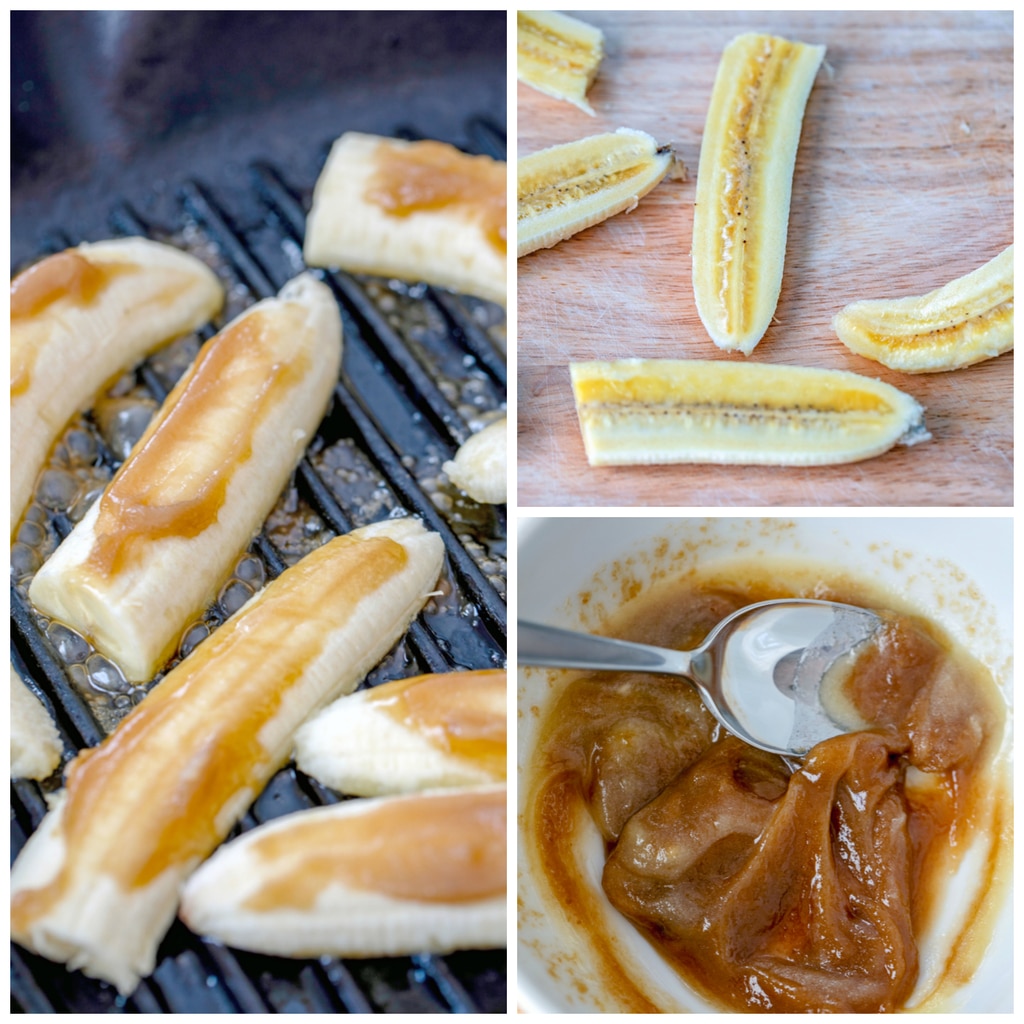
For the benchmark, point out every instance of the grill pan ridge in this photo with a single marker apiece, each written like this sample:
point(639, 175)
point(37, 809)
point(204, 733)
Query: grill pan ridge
point(422, 370)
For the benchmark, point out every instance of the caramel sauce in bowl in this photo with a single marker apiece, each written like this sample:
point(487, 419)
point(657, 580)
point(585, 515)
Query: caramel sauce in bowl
point(577, 952)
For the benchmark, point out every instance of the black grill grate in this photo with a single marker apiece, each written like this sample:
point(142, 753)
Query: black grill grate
point(419, 367)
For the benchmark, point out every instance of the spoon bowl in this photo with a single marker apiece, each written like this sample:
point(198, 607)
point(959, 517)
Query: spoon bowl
point(771, 673)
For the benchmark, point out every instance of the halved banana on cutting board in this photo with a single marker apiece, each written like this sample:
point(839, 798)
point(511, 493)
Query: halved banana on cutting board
point(961, 323)
point(418, 211)
point(80, 317)
point(744, 184)
point(385, 876)
point(558, 55)
point(480, 466)
point(425, 732)
point(649, 411)
point(152, 551)
point(97, 884)
point(564, 189)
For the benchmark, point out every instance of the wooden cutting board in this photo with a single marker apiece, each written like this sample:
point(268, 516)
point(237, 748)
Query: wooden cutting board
point(903, 182)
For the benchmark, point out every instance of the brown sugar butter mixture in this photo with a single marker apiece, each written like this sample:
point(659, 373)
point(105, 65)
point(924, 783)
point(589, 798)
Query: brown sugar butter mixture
point(769, 889)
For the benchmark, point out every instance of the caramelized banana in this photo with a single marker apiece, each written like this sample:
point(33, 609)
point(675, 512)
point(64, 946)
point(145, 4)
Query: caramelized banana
point(558, 55)
point(567, 188)
point(643, 411)
point(480, 466)
point(97, 884)
point(744, 182)
point(387, 876)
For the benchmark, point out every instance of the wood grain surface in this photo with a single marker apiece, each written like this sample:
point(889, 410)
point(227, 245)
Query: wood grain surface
point(903, 182)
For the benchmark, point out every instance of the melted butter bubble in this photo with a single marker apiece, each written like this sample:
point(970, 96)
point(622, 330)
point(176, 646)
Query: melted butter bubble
point(70, 645)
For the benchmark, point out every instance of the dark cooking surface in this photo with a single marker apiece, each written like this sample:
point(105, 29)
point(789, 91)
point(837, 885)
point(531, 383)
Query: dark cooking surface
point(127, 103)
point(208, 131)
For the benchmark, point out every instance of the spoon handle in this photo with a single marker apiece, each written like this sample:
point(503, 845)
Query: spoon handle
point(549, 647)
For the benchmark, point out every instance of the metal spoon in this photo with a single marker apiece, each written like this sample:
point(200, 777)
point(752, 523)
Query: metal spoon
point(771, 673)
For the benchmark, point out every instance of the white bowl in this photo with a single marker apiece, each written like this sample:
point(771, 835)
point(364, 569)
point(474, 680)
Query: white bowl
point(958, 571)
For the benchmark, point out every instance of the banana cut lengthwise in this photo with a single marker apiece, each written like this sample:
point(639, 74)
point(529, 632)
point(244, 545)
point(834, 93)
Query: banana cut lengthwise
point(419, 211)
point(961, 323)
point(480, 466)
point(558, 55)
point(426, 732)
point(565, 189)
point(744, 184)
point(80, 317)
point(151, 553)
point(35, 743)
point(648, 411)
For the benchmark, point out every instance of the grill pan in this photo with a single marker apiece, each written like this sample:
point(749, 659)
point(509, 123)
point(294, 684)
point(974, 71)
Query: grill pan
point(422, 369)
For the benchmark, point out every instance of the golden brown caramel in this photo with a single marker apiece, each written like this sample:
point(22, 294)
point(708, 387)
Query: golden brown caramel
point(65, 275)
point(164, 789)
point(461, 713)
point(436, 849)
point(430, 176)
point(176, 479)
point(768, 890)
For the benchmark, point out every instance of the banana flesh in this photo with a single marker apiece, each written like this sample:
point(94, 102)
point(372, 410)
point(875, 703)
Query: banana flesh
point(558, 55)
point(961, 323)
point(418, 211)
point(79, 318)
point(35, 743)
point(648, 411)
point(426, 732)
point(567, 188)
point(480, 465)
point(744, 183)
point(385, 876)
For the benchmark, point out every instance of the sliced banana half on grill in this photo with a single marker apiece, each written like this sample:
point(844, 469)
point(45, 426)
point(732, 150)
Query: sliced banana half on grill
point(97, 884)
point(426, 732)
point(150, 555)
point(744, 184)
point(961, 323)
point(648, 411)
point(417, 211)
point(558, 55)
point(480, 466)
point(567, 188)
point(379, 877)
point(35, 743)
point(79, 318)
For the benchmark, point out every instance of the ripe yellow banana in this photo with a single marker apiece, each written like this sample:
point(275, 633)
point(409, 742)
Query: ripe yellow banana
point(744, 181)
point(647, 411)
point(963, 322)
point(558, 55)
point(565, 189)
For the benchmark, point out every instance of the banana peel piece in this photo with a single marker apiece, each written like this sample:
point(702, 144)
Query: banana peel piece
point(565, 189)
point(961, 323)
point(654, 411)
point(744, 184)
point(558, 55)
